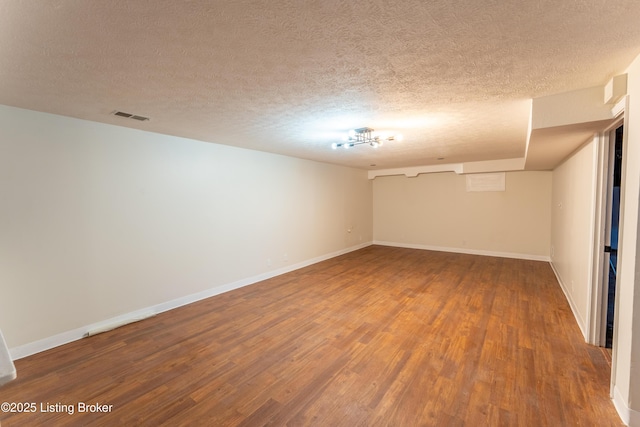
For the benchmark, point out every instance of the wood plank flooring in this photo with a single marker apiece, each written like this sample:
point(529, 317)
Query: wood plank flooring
point(378, 337)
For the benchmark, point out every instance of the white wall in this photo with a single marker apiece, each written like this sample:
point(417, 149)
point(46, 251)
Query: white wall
point(97, 221)
point(626, 351)
point(568, 108)
point(572, 226)
point(435, 211)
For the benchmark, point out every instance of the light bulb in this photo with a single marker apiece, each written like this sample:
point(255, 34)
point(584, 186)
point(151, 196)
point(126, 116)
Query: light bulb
point(399, 137)
point(334, 145)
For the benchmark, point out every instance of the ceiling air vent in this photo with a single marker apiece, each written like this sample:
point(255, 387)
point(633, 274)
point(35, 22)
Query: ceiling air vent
point(130, 116)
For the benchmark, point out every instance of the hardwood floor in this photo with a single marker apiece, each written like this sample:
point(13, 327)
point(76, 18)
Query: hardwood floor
point(381, 336)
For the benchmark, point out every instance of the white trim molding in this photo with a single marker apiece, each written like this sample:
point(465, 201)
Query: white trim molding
point(579, 320)
point(628, 416)
point(137, 315)
point(465, 251)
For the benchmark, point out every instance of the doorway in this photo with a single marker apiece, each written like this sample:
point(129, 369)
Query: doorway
point(612, 230)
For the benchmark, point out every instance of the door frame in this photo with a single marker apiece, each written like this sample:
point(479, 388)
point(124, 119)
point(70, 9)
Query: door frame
point(600, 260)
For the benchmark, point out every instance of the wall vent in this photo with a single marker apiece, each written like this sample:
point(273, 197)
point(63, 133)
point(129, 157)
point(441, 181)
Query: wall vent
point(130, 116)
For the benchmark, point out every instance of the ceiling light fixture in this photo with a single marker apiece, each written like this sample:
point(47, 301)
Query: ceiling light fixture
point(364, 136)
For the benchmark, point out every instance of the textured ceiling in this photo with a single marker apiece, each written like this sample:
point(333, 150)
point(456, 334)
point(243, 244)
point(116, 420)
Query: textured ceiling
point(456, 78)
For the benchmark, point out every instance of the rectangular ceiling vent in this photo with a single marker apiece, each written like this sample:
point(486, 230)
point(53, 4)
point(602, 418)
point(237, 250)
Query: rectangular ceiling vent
point(130, 116)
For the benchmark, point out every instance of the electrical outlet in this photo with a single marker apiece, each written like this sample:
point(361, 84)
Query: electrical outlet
point(285, 257)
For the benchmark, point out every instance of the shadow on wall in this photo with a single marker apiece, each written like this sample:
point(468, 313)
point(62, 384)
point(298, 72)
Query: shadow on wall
point(7, 369)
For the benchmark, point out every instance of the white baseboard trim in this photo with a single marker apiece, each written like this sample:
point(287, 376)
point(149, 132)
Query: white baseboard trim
point(572, 305)
point(629, 417)
point(465, 251)
point(116, 323)
point(134, 316)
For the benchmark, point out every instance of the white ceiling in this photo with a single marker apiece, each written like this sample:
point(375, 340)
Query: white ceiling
point(456, 78)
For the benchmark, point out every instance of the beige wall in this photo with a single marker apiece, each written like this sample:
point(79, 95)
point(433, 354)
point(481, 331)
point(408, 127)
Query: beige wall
point(572, 237)
point(97, 221)
point(572, 226)
point(436, 211)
